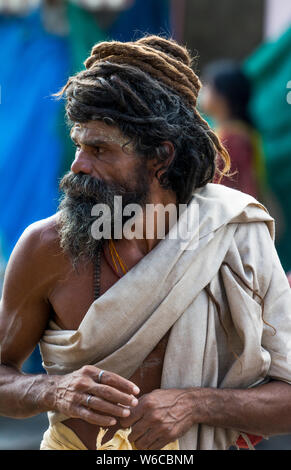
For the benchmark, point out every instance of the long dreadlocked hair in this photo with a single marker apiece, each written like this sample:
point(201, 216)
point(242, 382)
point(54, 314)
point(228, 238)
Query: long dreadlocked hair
point(149, 91)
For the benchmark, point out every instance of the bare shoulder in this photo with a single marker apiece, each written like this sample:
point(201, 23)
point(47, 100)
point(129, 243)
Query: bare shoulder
point(37, 255)
point(42, 235)
point(32, 270)
point(40, 243)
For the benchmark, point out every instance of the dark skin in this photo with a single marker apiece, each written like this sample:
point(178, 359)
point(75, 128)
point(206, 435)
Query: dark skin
point(40, 285)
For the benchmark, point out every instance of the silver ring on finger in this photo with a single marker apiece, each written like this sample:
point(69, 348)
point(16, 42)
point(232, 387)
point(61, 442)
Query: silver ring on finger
point(88, 400)
point(99, 376)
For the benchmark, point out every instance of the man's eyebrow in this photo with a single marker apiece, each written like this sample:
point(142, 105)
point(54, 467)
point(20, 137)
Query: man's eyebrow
point(90, 142)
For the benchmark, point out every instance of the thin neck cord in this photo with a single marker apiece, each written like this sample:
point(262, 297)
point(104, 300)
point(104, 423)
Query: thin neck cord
point(114, 252)
point(97, 267)
point(108, 261)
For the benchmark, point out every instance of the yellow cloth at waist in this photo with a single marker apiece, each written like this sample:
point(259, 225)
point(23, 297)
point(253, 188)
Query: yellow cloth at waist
point(60, 437)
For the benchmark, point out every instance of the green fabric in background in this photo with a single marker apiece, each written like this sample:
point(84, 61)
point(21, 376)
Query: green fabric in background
point(84, 32)
point(269, 69)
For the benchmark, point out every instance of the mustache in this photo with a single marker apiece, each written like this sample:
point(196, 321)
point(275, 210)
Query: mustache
point(85, 186)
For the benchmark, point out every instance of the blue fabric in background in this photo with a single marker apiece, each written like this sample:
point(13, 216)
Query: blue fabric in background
point(34, 64)
point(150, 16)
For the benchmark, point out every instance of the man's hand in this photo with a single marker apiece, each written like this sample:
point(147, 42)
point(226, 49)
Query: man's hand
point(160, 417)
point(163, 416)
point(112, 398)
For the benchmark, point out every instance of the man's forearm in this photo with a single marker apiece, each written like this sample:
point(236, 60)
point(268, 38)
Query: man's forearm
point(22, 396)
point(263, 410)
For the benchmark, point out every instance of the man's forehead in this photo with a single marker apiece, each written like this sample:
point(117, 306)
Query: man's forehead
point(99, 130)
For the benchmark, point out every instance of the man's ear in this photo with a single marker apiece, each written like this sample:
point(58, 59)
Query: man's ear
point(166, 153)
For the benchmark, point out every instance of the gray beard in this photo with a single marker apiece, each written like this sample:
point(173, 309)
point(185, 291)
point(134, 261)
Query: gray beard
point(80, 193)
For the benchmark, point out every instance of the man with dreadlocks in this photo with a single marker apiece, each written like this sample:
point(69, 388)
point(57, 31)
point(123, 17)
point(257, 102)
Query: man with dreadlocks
point(148, 343)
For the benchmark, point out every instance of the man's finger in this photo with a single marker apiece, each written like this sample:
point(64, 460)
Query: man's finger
point(90, 416)
point(113, 395)
point(158, 444)
point(143, 442)
point(116, 381)
point(136, 414)
point(139, 429)
point(99, 405)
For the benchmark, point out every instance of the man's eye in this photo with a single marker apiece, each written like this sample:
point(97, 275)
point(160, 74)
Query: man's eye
point(98, 150)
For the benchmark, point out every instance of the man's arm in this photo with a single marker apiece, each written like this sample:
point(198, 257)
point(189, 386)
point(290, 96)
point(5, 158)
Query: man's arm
point(24, 313)
point(23, 317)
point(264, 410)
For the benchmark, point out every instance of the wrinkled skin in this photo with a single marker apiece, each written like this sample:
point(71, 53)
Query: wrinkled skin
point(160, 417)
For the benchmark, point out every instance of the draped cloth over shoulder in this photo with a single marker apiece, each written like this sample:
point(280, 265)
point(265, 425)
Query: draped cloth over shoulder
point(234, 237)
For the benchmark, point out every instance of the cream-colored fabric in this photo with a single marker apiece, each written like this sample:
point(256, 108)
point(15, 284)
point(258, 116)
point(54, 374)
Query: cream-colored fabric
point(167, 289)
point(60, 437)
point(120, 441)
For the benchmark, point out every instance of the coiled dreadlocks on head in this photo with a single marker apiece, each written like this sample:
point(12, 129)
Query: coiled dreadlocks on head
point(149, 91)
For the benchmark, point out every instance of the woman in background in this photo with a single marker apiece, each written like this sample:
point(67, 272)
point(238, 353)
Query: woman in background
point(225, 99)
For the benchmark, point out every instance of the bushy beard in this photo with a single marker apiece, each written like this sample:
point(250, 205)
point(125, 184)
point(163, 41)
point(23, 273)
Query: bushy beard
point(80, 193)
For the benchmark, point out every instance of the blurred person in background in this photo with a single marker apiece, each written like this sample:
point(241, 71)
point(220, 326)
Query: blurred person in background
point(268, 69)
point(225, 99)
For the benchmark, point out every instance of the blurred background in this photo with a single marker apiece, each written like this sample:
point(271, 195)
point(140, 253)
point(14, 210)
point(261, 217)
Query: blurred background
point(243, 56)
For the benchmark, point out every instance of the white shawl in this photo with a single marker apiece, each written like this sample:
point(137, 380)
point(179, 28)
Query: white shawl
point(167, 289)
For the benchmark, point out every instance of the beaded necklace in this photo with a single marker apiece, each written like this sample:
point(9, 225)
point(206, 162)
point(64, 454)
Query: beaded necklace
point(97, 274)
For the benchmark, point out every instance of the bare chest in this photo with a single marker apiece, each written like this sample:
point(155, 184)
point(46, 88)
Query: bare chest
point(70, 300)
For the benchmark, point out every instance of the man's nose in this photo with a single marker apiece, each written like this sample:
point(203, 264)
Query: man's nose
point(82, 163)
